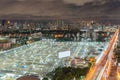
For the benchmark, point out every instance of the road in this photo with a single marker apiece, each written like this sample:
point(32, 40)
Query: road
point(92, 74)
point(113, 74)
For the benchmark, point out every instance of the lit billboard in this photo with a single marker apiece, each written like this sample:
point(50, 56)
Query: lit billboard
point(63, 54)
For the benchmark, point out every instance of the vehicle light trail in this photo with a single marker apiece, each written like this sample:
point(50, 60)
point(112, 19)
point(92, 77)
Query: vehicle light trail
point(95, 68)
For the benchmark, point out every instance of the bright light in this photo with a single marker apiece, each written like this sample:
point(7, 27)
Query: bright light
point(64, 54)
point(8, 22)
point(118, 75)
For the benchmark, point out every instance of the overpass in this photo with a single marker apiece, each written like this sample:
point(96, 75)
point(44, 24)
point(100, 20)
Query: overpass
point(102, 67)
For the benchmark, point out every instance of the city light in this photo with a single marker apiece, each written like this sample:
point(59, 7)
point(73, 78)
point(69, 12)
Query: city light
point(43, 50)
point(8, 22)
point(59, 39)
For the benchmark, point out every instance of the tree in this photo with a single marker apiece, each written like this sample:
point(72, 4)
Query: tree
point(45, 78)
point(67, 73)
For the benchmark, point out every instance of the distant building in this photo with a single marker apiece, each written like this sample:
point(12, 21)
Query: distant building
point(3, 22)
point(4, 43)
point(77, 62)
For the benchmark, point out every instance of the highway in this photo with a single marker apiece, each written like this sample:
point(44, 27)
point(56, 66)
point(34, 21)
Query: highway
point(42, 57)
point(98, 70)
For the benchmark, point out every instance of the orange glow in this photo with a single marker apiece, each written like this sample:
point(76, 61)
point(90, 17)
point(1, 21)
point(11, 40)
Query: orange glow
point(93, 69)
point(58, 35)
point(118, 75)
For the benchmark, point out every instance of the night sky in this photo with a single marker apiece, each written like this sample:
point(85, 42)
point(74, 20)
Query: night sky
point(75, 8)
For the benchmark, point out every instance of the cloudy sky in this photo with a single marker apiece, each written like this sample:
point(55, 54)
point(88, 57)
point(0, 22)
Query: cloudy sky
point(59, 7)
